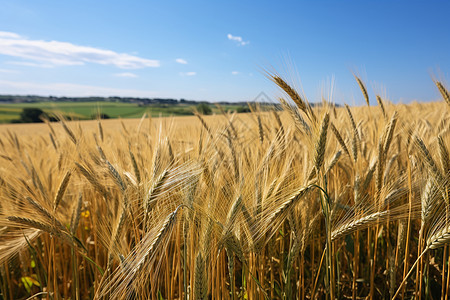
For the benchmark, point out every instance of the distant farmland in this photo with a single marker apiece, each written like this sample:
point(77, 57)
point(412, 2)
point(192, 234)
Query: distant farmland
point(88, 110)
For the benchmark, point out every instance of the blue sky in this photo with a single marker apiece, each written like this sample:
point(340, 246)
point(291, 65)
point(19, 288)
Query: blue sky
point(218, 50)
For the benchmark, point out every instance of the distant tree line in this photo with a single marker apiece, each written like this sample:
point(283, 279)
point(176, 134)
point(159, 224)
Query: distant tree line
point(37, 115)
point(139, 101)
point(32, 115)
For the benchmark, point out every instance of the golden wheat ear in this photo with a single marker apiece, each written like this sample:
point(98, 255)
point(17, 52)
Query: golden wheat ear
point(444, 92)
point(301, 103)
point(363, 88)
point(380, 103)
point(62, 189)
point(321, 143)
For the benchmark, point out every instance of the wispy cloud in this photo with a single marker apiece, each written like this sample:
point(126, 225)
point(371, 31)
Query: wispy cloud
point(126, 74)
point(9, 35)
point(30, 64)
point(58, 53)
point(68, 89)
point(181, 61)
point(234, 72)
point(8, 71)
point(237, 39)
point(188, 73)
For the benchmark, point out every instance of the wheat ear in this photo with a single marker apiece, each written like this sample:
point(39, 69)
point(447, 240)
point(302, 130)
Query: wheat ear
point(321, 143)
point(333, 161)
point(137, 173)
point(69, 132)
point(75, 219)
point(100, 130)
point(288, 203)
point(118, 229)
point(339, 139)
point(445, 94)
point(117, 178)
point(63, 235)
point(428, 201)
point(355, 140)
point(62, 189)
point(362, 86)
point(429, 160)
point(357, 224)
point(155, 190)
point(52, 139)
point(44, 212)
point(300, 123)
point(291, 92)
point(439, 238)
point(444, 155)
point(92, 179)
point(201, 286)
point(380, 103)
point(389, 132)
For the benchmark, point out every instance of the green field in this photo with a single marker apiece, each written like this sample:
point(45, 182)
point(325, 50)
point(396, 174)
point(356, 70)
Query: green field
point(86, 110)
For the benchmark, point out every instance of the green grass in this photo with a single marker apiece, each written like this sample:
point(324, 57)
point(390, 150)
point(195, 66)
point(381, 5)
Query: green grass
point(85, 110)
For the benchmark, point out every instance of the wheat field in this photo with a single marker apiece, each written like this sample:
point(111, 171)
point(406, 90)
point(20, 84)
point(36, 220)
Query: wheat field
point(306, 202)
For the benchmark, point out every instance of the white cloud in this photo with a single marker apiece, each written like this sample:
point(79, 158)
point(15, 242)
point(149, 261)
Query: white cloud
point(188, 74)
point(181, 61)
point(58, 53)
point(238, 39)
point(126, 74)
point(234, 72)
point(68, 89)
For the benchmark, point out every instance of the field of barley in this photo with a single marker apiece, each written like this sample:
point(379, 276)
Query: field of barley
point(307, 202)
